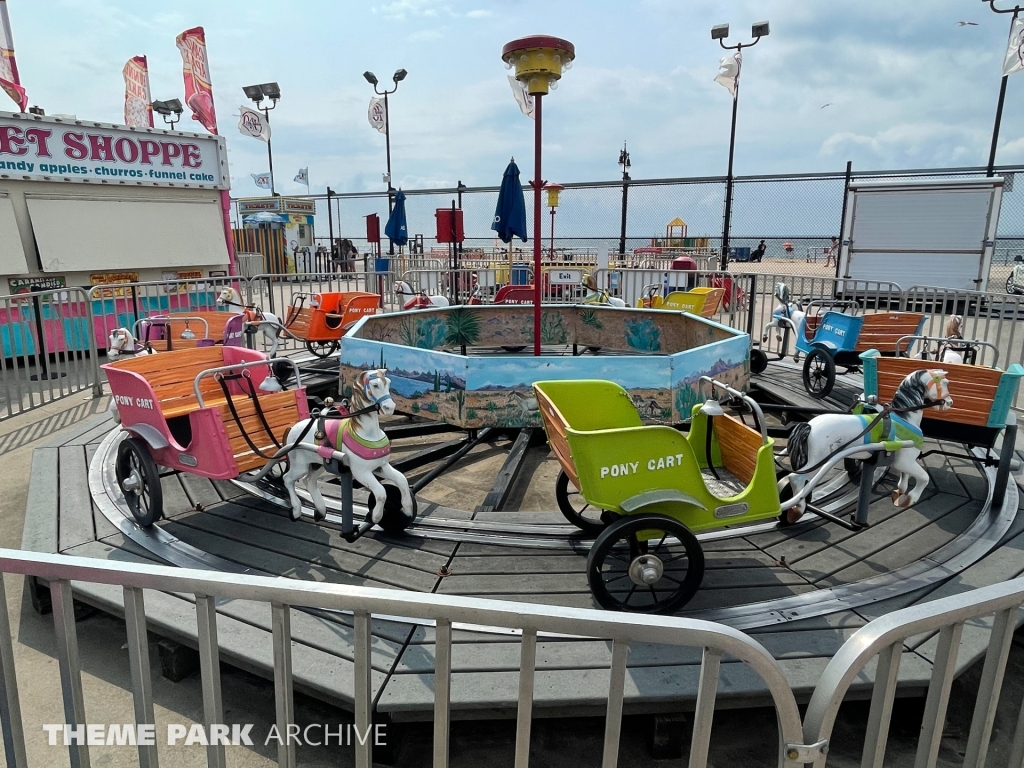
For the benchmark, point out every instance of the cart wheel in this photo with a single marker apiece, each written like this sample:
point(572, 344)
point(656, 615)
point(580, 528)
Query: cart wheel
point(1011, 287)
point(758, 361)
point(645, 564)
point(575, 509)
point(322, 348)
point(139, 481)
point(819, 373)
point(513, 349)
point(394, 519)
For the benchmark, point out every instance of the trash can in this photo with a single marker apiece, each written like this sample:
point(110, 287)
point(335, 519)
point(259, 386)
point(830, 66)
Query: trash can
point(739, 254)
point(381, 264)
point(520, 274)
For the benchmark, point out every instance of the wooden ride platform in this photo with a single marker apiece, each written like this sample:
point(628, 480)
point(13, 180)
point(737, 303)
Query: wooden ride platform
point(806, 569)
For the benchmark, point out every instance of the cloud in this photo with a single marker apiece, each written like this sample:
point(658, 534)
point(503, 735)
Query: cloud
point(479, 14)
point(426, 35)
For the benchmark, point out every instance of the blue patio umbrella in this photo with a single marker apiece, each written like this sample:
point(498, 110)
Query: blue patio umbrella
point(510, 213)
point(396, 228)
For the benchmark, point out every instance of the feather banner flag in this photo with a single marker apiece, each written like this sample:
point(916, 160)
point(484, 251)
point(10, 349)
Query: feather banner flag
point(9, 80)
point(196, 70)
point(138, 109)
point(1014, 60)
point(729, 73)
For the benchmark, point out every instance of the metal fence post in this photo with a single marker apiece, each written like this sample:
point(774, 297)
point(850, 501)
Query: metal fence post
point(94, 348)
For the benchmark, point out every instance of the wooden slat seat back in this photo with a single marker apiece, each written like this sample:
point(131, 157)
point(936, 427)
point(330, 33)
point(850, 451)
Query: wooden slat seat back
point(281, 411)
point(712, 301)
point(972, 387)
point(738, 445)
point(811, 323)
point(881, 331)
point(555, 426)
point(171, 374)
point(175, 323)
point(297, 321)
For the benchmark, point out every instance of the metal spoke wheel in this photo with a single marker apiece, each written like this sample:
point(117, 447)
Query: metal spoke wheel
point(1012, 288)
point(575, 508)
point(645, 564)
point(394, 520)
point(819, 373)
point(322, 348)
point(139, 481)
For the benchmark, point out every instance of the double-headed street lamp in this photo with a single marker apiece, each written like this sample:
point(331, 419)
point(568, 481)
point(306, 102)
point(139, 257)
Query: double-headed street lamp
point(624, 162)
point(720, 32)
point(398, 77)
point(257, 93)
point(170, 111)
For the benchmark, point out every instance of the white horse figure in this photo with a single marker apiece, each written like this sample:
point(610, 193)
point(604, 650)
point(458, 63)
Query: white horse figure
point(788, 314)
point(594, 295)
point(811, 444)
point(365, 448)
point(417, 299)
point(267, 322)
point(122, 342)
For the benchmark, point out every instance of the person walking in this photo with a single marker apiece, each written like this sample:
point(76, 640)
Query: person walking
point(832, 256)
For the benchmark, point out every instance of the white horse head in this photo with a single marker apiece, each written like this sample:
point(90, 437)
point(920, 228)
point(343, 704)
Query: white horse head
point(122, 342)
point(928, 388)
point(230, 296)
point(358, 442)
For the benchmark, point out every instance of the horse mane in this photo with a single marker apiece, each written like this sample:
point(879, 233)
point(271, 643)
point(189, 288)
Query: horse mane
point(911, 392)
point(782, 292)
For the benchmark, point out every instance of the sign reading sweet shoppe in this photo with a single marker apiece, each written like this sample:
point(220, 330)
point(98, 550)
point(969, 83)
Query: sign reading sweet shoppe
point(50, 149)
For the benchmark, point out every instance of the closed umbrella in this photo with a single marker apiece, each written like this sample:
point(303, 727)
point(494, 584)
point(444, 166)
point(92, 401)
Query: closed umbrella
point(510, 212)
point(396, 228)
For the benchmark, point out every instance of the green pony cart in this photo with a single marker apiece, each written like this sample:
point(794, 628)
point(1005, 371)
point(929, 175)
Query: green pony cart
point(645, 490)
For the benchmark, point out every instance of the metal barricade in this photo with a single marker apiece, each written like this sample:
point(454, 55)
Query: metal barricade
point(49, 350)
point(714, 641)
point(944, 625)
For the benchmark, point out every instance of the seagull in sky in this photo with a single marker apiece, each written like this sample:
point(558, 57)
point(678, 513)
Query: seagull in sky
point(967, 23)
point(826, 105)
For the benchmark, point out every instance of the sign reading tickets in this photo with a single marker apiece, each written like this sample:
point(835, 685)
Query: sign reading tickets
point(49, 149)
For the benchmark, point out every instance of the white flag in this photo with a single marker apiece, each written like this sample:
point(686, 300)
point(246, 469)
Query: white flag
point(523, 99)
point(302, 176)
point(1014, 61)
point(378, 114)
point(262, 180)
point(253, 123)
point(729, 72)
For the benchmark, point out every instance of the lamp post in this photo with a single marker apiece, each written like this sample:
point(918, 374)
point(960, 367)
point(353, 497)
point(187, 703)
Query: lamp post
point(624, 162)
point(398, 77)
point(257, 93)
point(170, 111)
point(1002, 93)
point(539, 62)
point(719, 32)
point(553, 190)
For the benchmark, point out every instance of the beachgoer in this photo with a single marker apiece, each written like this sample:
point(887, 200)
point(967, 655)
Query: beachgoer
point(832, 257)
point(758, 253)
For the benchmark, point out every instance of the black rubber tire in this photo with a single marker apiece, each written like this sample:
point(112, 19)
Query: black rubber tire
point(618, 546)
point(147, 501)
point(322, 349)
point(819, 373)
point(758, 361)
point(567, 502)
point(394, 519)
point(513, 349)
point(1011, 288)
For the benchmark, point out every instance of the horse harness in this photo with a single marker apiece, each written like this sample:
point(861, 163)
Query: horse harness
point(337, 432)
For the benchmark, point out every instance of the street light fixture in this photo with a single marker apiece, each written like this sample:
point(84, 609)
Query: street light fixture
point(720, 32)
point(399, 76)
point(257, 94)
point(624, 163)
point(1002, 93)
point(539, 61)
point(170, 110)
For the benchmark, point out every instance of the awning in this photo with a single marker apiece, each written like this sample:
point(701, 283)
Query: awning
point(266, 217)
point(75, 234)
point(12, 255)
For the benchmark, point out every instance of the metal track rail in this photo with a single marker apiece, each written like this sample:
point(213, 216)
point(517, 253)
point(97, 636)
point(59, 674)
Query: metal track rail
point(971, 546)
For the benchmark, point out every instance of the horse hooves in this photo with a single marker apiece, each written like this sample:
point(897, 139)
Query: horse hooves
point(296, 516)
point(896, 497)
point(905, 501)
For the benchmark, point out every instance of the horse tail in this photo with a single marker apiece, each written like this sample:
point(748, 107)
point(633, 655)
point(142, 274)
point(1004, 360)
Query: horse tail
point(798, 445)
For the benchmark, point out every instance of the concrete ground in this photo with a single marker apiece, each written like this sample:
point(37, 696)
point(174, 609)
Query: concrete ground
point(741, 737)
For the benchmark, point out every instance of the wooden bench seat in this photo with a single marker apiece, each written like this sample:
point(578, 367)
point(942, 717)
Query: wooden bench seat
point(738, 445)
point(171, 376)
point(972, 387)
point(881, 331)
point(281, 411)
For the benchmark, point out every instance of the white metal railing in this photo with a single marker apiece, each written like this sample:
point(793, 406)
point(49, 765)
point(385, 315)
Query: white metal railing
point(622, 629)
point(883, 639)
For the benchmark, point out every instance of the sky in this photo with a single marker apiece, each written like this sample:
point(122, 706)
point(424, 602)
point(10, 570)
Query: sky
point(907, 86)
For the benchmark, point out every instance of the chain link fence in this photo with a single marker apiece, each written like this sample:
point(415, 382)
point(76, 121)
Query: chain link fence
point(796, 215)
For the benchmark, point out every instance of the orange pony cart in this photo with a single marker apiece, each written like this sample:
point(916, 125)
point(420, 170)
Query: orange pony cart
point(321, 319)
